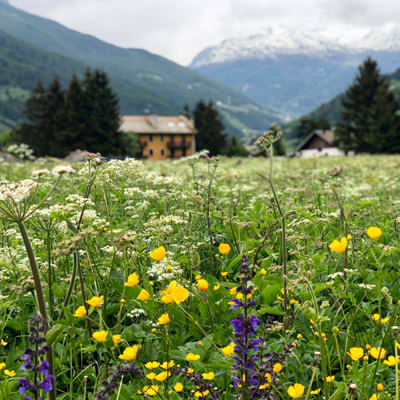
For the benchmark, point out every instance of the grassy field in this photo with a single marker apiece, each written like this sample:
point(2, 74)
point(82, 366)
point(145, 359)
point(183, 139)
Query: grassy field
point(167, 280)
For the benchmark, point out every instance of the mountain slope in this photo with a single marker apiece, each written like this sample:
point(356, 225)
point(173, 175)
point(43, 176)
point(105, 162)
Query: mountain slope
point(293, 70)
point(331, 110)
point(23, 65)
point(164, 81)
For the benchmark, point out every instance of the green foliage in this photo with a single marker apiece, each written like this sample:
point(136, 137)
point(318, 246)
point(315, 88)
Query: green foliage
point(234, 148)
point(210, 128)
point(307, 125)
point(369, 120)
point(86, 116)
point(134, 207)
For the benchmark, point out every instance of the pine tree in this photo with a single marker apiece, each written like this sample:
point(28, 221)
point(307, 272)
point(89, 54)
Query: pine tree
point(102, 119)
point(369, 120)
point(208, 123)
point(44, 112)
point(86, 116)
point(74, 114)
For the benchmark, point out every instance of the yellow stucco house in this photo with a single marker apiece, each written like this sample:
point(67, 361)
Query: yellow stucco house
point(162, 137)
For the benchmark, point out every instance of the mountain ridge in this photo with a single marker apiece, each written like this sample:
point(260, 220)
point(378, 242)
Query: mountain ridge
point(167, 82)
point(296, 71)
point(283, 40)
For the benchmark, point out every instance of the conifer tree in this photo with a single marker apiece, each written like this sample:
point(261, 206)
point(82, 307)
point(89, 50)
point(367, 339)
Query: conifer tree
point(369, 120)
point(208, 123)
point(45, 116)
point(102, 119)
point(85, 116)
point(74, 113)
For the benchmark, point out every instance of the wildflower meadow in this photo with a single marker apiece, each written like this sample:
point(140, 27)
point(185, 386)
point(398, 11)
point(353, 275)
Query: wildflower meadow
point(200, 278)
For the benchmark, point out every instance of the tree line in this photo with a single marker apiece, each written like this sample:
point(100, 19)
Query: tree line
point(83, 116)
point(86, 116)
point(369, 117)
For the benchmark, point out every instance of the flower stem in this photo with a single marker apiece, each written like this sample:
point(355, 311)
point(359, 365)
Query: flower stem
point(40, 297)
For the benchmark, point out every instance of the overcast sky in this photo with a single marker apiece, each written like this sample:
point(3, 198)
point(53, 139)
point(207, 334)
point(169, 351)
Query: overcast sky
point(179, 29)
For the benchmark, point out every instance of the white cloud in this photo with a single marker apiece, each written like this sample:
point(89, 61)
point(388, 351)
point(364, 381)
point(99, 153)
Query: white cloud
point(180, 29)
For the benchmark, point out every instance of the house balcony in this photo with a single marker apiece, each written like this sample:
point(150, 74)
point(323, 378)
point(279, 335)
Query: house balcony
point(179, 145)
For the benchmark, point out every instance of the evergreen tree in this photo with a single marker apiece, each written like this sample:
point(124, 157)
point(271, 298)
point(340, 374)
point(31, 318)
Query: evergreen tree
point(370, 123)
point(86, 117)
point(100, 131)
point(208, 123)
point(307, 125)
point(45, 116)
point(75, 114)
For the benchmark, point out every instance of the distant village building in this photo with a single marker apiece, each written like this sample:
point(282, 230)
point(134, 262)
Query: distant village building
point(162, 137)
point(319, 143)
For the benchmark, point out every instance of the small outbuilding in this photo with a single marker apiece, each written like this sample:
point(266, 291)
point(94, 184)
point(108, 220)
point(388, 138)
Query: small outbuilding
point(319, 143)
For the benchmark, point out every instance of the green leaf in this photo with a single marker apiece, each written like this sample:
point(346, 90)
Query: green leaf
point(271, 310)
point(54, 332)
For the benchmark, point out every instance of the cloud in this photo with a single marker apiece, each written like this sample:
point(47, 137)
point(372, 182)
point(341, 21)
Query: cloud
point(180, 29)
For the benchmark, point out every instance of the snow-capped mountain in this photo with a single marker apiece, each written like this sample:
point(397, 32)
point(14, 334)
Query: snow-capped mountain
point(297, 70)
point(284, 41)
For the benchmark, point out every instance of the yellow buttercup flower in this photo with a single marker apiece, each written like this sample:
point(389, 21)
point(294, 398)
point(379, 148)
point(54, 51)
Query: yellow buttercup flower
point(330, 378)
point(100, 336)
point(129, 353)
point(316, 391)
point(164, 319)
point(3, 343)
point(133, 280)
point(224, 248)
point(296, 391)
point(151, 376)
point(379, 387)
point(152, 364)
point(374, 232)
point(217, 287)
point(356, 353)
point(202, 394)
point(263, 271)
point(232, 291)
point(277, 368)
point(208, 376)
point(2, 365)
point(225, 273)
point(202, 285)
point(376, 317)
point(158, 254)
point(377, 352)
point(162, 376)
point(80, 312)
point(228, 350)
point(375, 397)
point(144, 295)
point(391, 361)
point(193, 357)
point(299, 336)
point(339, 247)
point(178, 387)
point(265, 386)
point(151, 391)
point(385, 320)
point(116, 339)
point(95, 301)
point(168, 365)
point(190, 370)
point(174, 292)
point(10, 373)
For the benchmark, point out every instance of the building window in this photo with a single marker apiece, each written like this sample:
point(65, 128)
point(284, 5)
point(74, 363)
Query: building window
point(163, 152)
point(150, 138)
point(150, 152)
point(162, 138)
